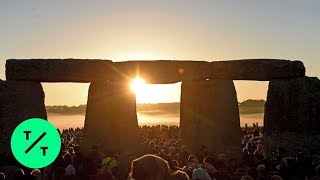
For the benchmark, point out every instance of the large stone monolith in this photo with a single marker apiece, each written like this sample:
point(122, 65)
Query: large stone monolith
point(257, 69)
point(94, 70)
point(292, 115)
point(209, 115)
point(162, 71)
point(111, 120)
point(59, 70)
point(19, 101)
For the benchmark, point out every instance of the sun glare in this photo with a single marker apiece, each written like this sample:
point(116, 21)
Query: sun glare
point(137, 85)
point(153, 93)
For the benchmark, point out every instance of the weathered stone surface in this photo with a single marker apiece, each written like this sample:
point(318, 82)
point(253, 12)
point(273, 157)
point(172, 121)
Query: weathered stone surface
point(75, 70)
point(292, 115)
point(163, 71)
point(19, 101)
point(257, 69)
point(155, 72)
point(58, 70)
point(111, 120)
point(209, 115)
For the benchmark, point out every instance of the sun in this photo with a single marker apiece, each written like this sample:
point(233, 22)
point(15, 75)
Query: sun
point(151, 93)
point(137, 85)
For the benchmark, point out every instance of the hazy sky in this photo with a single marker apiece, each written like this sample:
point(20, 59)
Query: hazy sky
point(163, 29)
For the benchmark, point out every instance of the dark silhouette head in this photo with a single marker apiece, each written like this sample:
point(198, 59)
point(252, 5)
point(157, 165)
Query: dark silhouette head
point(19, 174)
point(149, 167)
point(2, 176)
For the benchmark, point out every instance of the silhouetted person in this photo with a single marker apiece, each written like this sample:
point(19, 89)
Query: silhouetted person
point(19, 174)
point(202, 153)
point(317, 174)
point(36, 173)
point(92, 162)
point(149, 167)
point(2, 176)
point(77, 159)
point(246, 158)
point(69, 168)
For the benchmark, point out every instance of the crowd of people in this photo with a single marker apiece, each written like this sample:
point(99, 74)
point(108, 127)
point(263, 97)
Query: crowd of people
point(166, 157)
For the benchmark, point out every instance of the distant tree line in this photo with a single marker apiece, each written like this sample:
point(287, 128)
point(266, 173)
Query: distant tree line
point(252, 103)
point(81, 109)
point(249, 106)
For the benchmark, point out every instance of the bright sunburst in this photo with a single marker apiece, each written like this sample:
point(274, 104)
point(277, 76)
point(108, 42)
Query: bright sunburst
point(137, 85)
point(153, 93)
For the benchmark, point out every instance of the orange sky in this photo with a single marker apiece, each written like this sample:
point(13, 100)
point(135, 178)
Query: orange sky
point(145, 30)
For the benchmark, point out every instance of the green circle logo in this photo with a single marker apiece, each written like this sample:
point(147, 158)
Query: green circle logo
point(35, 143)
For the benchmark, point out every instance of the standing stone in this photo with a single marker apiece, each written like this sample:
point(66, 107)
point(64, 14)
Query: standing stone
point(111, 120)
point(292, 115)
point(19, 101)
point(210, 116)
